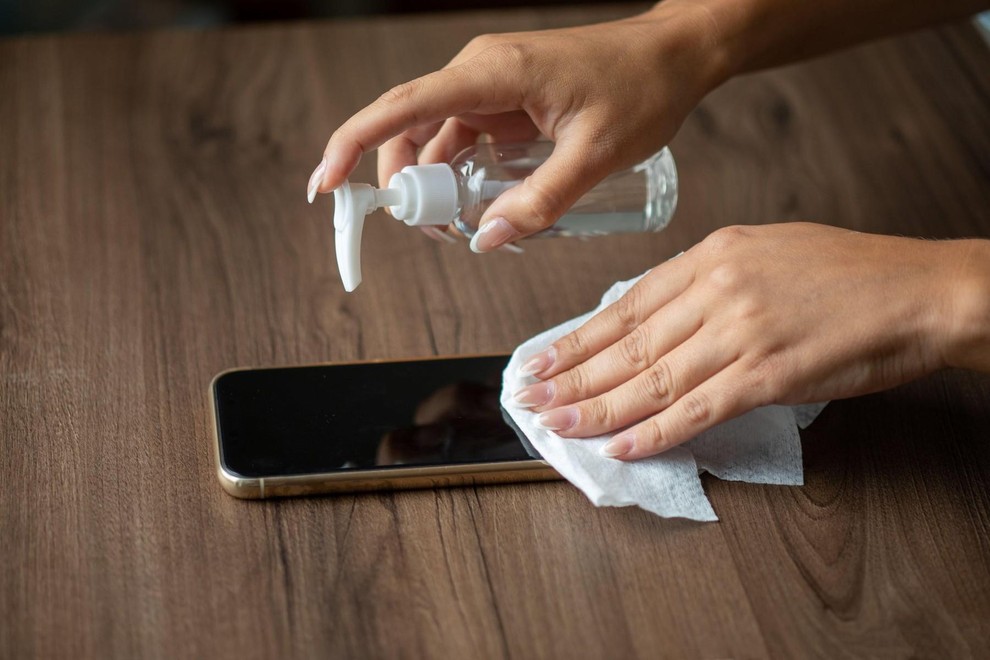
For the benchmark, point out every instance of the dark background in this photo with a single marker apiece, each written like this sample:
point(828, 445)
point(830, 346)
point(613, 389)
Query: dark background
point(27, 16)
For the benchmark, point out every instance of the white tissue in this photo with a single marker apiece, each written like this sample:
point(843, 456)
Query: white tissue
point(762, 446)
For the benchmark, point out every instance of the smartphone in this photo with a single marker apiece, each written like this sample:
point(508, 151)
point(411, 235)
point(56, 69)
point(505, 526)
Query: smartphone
point(367, 426)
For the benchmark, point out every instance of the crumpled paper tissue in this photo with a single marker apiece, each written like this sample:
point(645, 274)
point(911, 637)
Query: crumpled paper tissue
point(762, 446)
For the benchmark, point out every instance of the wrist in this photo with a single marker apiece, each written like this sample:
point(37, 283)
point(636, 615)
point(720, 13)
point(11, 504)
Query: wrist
point(688, 32)
point(733, 32)
point(966, 335)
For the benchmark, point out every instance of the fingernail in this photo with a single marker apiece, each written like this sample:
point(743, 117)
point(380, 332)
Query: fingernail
point(560, 419)
point(492, 234)
point(438, 234)
point(618, 446)
point(539, 362)
point(534, 395)
point(314, 180)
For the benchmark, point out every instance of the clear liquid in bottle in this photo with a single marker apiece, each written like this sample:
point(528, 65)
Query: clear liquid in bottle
point(638, 199)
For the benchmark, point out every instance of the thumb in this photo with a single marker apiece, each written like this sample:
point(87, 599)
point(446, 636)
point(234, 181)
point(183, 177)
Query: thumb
point(573, 169)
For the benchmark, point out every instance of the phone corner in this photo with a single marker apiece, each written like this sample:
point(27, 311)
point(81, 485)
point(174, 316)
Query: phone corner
point(240, 487)
point(222, 374)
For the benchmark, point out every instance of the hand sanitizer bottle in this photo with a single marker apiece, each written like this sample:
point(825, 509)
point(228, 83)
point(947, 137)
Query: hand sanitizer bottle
point(639, 199)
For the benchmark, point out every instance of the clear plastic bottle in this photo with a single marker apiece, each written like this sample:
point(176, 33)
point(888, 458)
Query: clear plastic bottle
point(638, 199)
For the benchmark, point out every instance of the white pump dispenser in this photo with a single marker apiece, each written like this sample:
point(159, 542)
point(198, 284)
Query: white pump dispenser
point(419, 195)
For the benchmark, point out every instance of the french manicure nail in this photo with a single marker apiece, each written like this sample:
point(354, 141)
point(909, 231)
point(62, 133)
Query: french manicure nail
point(618, 446)
point(314, 180)
point(560, 419)
point(534, 395)
point(492, 234)
point(539, 362)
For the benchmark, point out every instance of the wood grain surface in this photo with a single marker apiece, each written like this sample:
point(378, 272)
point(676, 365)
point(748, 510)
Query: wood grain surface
point(154, 231)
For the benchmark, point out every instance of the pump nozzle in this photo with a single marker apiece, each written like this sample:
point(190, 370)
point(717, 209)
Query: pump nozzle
point(419, 195)
point(351, 203)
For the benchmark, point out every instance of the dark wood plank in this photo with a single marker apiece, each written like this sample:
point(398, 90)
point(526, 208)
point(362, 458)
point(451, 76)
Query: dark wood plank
point(885, 550)
point(153, 232)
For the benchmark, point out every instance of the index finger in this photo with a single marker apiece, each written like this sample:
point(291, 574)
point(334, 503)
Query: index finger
point(423, 101)
point(655, 290)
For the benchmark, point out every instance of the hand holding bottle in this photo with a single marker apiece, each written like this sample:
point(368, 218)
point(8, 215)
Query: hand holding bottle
point(608, 95)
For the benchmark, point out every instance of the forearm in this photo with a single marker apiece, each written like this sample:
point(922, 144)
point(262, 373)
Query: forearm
point(756, 34)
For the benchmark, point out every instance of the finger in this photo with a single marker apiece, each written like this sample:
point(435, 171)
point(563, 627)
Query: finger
point(513, 126)
point(402, 150)
point(424, 101)
point(655, 389)
point(459, 133)
point(657, 288)
point(572, 169)
point(726, 395)
point(472, 48)
point(668, 327)
point(452, 139)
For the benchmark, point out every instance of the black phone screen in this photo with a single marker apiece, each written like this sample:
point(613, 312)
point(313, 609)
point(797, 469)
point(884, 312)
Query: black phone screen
point(331, 418)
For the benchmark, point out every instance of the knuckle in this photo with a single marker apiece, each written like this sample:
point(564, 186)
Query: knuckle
point(697, 410)
point(766, 378)
point(336, 138)
point(513, 54)
point(650, 437)
point(760, 368)
point(481, 42)
point(724, 239)
point(398, 95)
point(543, 202)
point(658, 382)
point(726, 277)
point(749, 307)
point(633, 351)
point(573, 347)
point(596, 412)
point(626, 309)
point(569, 385)
point(345, 137)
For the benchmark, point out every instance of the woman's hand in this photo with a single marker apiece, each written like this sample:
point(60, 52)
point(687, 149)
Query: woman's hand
point(789, 313)
point(608, 95)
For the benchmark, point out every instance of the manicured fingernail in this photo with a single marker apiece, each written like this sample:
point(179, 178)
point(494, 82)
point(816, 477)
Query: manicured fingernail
point(560, 419)
point(534, 395)
point(618, 446)
point(539, 362)
point(314, 180)
point(492, 234)
point(438, 234)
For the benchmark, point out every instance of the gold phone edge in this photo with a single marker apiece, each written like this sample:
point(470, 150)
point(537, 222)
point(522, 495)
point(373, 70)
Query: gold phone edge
point(435, 476)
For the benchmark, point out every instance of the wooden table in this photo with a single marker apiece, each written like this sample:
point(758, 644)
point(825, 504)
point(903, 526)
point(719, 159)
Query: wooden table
point(155, 231)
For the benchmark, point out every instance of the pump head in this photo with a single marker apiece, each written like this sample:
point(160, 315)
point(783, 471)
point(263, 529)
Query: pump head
point(419, 195)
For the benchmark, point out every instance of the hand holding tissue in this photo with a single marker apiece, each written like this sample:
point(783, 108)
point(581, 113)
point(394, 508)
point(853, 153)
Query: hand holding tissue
point(762, 446)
